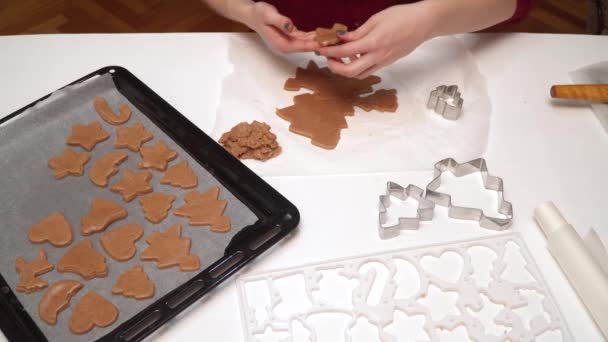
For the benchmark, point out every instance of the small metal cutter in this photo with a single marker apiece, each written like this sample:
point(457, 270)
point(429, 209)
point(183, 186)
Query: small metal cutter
point(446, 101)
point(425, 209)
point(463, 213)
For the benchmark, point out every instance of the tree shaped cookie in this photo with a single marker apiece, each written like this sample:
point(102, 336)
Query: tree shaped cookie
point(54, 228)
point(68, 163)
point(180, 175)
point(56, 299)
point(170, 249)
point(327, 37)
point(103, 213)
point(87, 136)
point(134, 283)
point(103, 109)
point(83, 260)
point(156, 206)
point(133, 184)
point(156, 156)
point(132, 137)
point(320, 115)
point(119, 242)
point(106, 167)
point(204, 209)
point(92, 310)
point(29, 272)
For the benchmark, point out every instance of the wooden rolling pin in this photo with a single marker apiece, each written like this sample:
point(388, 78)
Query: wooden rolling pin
point(588, 92)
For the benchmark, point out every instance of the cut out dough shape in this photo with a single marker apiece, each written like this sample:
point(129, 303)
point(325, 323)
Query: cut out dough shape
point(119, 242)
point(205, 209)
point(68, 163)
point(92, 310)
point(156, 206)
point(56, 299)
point(156, 157)
point(251, 141)
point(83, 260)
point(106, 167)
point(132, 137)
point(103, 109)
point(29, 272)
point(327, 37)
point(133, 184)
point(134, 283)
point(54, 228)
point(87, 136)
point(321, 115)
point(181, 176)
point(170, 249)
point(103, 213)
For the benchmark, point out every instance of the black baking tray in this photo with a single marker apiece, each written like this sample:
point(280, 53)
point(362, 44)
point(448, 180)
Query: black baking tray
point(277, 217)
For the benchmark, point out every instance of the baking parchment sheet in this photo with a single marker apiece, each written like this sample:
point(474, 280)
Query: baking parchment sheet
point(29, 193)
point(594, 74)
point(413, 138)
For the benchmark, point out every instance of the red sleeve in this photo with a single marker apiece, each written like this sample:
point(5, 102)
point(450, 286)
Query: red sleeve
point(523, 7)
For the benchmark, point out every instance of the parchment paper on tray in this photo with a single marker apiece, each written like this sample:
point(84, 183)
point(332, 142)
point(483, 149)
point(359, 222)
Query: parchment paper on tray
point(413, 138)
point(30, 192)
point(594, 74)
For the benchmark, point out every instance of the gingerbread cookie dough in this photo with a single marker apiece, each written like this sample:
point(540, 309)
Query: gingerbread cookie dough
point(181, 176)
point(170, 249)
point(106, 167)
point(68, 163)
point(29, 272)
point(156, 157)
point(156, 206)
point(132, 137)
point(83, 260)
point(103, 109)
point(103, 213)
point(92, 310)
point(204, 209)
point(119, 242)
point(87, 136)
point(133, 184)
point(321, 115)
point(134, 283)
point(54, 228)
point(327, 37)
point(56, 299)
point(251, 141)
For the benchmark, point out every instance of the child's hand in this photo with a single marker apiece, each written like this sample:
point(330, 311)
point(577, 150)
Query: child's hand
point(384, 38)
point(278, 30)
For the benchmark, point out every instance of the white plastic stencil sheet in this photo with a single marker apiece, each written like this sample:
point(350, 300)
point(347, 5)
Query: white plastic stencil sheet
point(413, 138)
point(479, 290)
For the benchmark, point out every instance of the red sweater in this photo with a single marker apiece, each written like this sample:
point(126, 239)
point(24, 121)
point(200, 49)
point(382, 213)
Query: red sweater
point(310, 14)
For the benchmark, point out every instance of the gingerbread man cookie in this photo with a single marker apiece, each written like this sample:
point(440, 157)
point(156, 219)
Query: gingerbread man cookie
point(29, 272)
point(56, 299)
point(68, 163)
point(106, 167)
point(170, 249)
point(156, 156)
point(103, 109)
point(92, 310)
point(54, 228)
point(83, 260)
point(134, 283)
point(132, 137)
point(103, 213)
point(87, 136)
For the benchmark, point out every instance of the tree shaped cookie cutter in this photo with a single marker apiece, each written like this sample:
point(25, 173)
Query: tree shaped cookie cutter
point(446, 101)
point(463, 213)
point(424, 211)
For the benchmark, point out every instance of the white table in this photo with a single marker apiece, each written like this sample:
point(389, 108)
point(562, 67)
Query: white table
point(542, 151)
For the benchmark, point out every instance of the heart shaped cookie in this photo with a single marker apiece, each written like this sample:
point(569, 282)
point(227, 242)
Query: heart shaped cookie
point(54, 228)
point(119, 243)
point(92, 310)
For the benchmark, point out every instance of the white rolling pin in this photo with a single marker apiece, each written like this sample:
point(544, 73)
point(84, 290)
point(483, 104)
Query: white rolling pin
point(578, 264)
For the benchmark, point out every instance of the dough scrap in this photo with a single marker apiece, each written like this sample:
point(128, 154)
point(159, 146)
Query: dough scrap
point(251, 141)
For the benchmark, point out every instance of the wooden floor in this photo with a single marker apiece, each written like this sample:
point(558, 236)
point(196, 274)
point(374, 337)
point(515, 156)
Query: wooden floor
point(89, 16)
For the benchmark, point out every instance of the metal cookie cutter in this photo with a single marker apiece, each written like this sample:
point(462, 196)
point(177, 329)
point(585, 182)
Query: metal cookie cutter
point(464, 213)
point(446, 101)
point(425, 209)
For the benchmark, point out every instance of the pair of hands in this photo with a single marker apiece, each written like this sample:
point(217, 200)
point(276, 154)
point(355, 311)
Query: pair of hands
point(383, 39)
